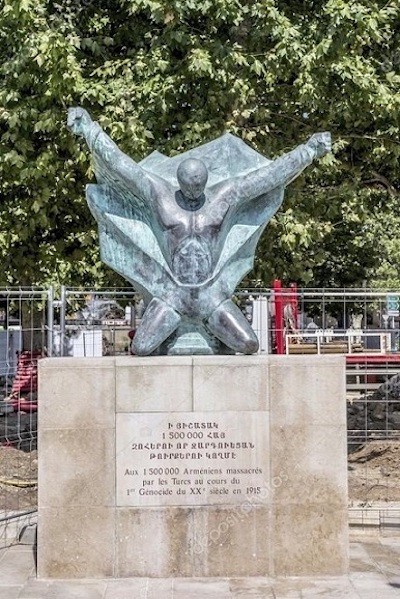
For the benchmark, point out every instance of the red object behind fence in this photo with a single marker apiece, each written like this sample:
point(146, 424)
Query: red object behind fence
point(283, 297)
point(25, 382)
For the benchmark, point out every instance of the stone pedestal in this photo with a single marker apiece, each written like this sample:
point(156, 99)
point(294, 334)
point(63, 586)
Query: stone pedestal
point(192, 466)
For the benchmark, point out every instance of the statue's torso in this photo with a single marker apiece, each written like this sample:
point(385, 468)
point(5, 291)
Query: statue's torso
point(192, 260)
point(192, 238)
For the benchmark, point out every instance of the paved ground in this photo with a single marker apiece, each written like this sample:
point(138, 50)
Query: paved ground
point(375, 574)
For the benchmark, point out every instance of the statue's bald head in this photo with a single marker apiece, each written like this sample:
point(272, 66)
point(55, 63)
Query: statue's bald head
point(192, 178)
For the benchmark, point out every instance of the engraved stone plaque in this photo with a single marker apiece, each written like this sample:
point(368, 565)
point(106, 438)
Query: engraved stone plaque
point(192, 458)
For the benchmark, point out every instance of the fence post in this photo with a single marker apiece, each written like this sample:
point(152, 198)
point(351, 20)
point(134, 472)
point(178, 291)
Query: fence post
point(63, 308)
point(50, 321)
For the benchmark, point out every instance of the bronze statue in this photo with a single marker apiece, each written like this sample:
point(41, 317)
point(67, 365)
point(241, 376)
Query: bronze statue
point(183, 231)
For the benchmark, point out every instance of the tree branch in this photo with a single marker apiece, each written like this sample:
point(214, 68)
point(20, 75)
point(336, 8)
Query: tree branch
point(378, 178)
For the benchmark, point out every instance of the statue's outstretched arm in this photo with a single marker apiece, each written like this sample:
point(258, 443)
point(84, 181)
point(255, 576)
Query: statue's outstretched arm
point(284, 169)
point(100, 144)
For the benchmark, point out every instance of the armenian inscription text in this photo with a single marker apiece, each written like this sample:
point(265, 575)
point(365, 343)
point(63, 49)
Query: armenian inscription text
point(192, 458)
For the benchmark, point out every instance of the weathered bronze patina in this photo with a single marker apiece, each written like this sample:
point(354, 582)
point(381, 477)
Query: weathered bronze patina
point(183, 231)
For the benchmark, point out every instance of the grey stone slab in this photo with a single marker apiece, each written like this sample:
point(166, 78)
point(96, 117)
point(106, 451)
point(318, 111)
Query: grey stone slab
point(16, 548)
point(315, 587)
point(199, 589)
point(139, 588)
point(76, 393)
point(288, 592)
point(230, 383)
point(291, 585)
point(163, 361)
point(76, 542)
point(231, 541)
point(392, 542)
point(76, 467)
point(309, 388)
point(380, 593)
point(371, 585)
point(69, 362)
point(152, 542)
point(328, 587)
point(385, 558)
point(208, 541)
point(309, 540)
point(35, 588)
point(254, 588)
point(159, 587)
point(16, 566)
point(154, 384)
point(231, 360)
point(85, 589)
point(360, 561)
point(308, 463)
point(288, 595)
point(204, 594)
point(9, 592)
point(326, 592)
point(253, 594)
point(374, 589)
point(146, 588)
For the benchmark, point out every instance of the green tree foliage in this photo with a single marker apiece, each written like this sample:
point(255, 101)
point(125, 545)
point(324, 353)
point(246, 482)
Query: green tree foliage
point(171, 74)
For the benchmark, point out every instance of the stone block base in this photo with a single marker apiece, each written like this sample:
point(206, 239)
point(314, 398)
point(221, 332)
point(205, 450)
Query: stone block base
point(192, 466)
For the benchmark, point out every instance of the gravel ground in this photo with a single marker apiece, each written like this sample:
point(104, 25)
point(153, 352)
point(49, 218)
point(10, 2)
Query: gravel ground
point(18, 479)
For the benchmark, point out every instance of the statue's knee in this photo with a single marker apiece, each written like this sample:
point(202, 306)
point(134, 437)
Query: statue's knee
point(141, 346)
point(249, 346)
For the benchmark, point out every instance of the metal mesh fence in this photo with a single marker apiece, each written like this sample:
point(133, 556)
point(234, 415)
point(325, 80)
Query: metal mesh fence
point(96, 323)
point(25, 334)
point(362, 325)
